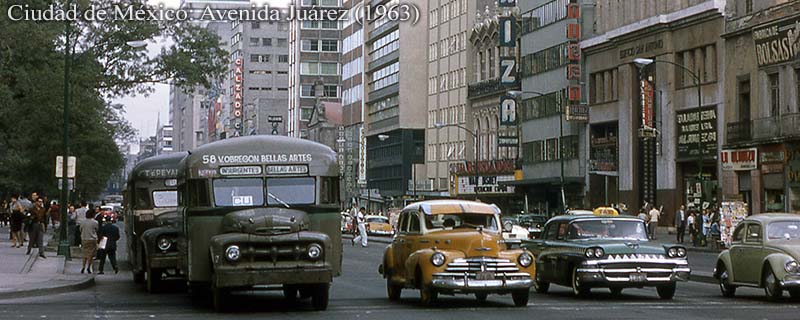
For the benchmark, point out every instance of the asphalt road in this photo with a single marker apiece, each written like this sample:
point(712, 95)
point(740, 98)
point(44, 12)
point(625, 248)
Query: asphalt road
point(360, 294)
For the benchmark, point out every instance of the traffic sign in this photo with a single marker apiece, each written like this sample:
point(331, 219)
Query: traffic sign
point(70, 167)
point(70, 183)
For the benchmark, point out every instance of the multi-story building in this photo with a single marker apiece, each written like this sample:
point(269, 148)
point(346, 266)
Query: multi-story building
point(352, 145)
point(654, 126)
point(396, 108)
point(164, 139)
point(499, 144)
point(314, 54)
point(188, 117)
point(553, 161)
point(449, 66)
point(760, 159)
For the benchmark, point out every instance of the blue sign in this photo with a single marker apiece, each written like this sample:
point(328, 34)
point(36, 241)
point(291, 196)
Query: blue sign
point(508, 31)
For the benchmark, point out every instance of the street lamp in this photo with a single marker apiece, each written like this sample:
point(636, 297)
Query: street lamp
point(644, 62)
point(518, 93)
point(474, 135)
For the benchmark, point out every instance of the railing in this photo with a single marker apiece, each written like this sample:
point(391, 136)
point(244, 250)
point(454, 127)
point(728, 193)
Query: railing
point(790, 125)
point(766, 128)
point(739, 132)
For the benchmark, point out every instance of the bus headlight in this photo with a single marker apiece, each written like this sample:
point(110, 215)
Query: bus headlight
point(525, 259)
point(437, 259)
point(163, 243)
point(314, 251)
point(232, 253)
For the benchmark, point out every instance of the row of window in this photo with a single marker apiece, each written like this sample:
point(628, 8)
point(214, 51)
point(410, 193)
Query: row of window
point(282, 58)
point(265, 72)
point(385, 45)
point(486, 63)
point(447, 115)
point(320, 25)
point(447, 151)
point(282, 26)
point(266, 89)
point(352, 95)
point(319, 45)
point(353, 41)
point(352, 68)
point(383, 104)
point(385, 18)
point(542, 106)
point(385, 76)
point(449, 10)
point(547, 150)
point(265, 42)
point(329, 91)
point(319, 68)
point(702, 61)
point(604, 86)
point(445, 47)
point(545, 60)
point(448, 81)
point(544, 15)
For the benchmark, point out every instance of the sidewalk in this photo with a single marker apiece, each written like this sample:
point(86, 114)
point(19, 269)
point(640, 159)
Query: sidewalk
point(24, 275)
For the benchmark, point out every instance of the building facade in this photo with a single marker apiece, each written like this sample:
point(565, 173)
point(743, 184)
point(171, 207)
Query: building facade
point(164, 139)
point(654, 129)
point(352, 146)
point(396, 110)
point(760, 157)
point(314, 55)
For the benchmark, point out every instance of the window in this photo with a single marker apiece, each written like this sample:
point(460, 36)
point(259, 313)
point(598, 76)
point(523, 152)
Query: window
point(267, 42)
point(309, 45)
point(329, 190)
point(533, 152)
point(774, 94)
point(255, 25)
point(283, 26)
point(307, 90)
point(385, 76)
point(744, 100)
point(385, 45)
point(753, 233)
point(544, 15)
point(569, 147)
point(254, 42)
point(319, 68)
point(238, 192)
point(413, 225)
point(283, 58)
point(329, 45)
point(603, 87)
point(288, 191)
point(551, 232)
point(545, 60)
point(305, 113)
point(254, 58)
point(165, 198)
point(283, 43)
point(542, 106)
point(329, 24)
point(748, 6)
point(331, 91)
point(551, 149)
point(702, 61)
point(738, 234)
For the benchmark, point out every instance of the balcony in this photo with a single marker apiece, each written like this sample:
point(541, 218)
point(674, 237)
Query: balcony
point(489, 87)
point(766, 128)
point(739, 132)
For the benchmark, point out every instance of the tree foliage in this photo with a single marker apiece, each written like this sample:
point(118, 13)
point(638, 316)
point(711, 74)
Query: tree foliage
point(103, 66)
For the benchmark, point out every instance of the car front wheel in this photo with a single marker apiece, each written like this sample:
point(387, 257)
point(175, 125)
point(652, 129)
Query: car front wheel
point(579, 290)
point(666, 291)
point(771, 286)
point(728, 290)
point(319, 296)
point(393, 290)
point(539, 285)
point(427, 295)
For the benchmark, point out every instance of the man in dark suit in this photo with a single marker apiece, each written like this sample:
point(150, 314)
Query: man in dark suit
point(680, 223)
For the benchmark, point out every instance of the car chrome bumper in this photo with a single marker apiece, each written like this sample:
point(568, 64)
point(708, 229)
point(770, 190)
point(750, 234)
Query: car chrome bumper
point(605, 275)
point(791, 281)
point(161, 260)
point(381, 232)
point(463, 282)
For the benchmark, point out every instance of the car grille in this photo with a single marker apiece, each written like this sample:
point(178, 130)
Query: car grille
point(472, 265)
point(636, 256)
point(653, 266)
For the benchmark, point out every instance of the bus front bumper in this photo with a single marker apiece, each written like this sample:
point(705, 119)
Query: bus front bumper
point(243, 278)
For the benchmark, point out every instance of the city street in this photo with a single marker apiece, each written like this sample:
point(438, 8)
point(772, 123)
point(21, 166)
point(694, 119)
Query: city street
point(360, 293)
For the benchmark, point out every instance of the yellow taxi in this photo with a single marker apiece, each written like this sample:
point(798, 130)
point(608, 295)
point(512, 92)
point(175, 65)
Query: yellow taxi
point(378, 226)
point(455, 247)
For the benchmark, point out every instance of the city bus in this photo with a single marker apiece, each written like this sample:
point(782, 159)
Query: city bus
point(151, 199)
point(260, 212)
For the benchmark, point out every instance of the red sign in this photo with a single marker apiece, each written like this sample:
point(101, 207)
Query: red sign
point(237, 95)
point(647, 104)
point(739, 160)
point(574, 31)
point(484, 167)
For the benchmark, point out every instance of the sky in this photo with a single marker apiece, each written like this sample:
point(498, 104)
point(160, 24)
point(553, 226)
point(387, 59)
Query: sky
point(143, 111)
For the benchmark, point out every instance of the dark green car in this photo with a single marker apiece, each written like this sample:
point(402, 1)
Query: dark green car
point(585, 252)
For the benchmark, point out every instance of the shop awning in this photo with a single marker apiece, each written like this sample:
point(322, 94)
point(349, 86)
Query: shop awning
point(540, 181)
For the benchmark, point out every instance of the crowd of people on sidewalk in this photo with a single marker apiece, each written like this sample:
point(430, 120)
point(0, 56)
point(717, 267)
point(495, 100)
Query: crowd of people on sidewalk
point(89, 227)
point(701, 224)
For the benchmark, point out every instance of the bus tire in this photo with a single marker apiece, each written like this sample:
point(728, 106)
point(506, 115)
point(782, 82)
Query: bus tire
point(319, 299)
point(153, 280)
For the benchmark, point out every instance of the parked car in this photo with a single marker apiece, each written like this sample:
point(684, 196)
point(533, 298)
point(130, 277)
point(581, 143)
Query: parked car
point(534, 224)
point(378, 226)
point(455, 247)
point(764, 253)
point(588, 251)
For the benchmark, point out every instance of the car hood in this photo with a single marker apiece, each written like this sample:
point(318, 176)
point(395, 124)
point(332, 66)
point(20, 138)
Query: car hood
point(468, 241)
point(792, 249)
point(626, 247)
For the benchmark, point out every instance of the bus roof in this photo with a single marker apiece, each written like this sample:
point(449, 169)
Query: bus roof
point(164, 166)
point(246, 155)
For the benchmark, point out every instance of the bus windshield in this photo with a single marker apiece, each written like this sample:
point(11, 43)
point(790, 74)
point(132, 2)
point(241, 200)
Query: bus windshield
point(168, 198)
point(291, 190)
point(251, 192)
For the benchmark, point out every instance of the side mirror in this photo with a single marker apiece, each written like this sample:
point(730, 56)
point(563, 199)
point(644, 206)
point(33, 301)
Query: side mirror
point(508, 226)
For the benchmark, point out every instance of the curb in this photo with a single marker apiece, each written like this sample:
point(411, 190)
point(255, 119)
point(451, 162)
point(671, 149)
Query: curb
point(34, 291)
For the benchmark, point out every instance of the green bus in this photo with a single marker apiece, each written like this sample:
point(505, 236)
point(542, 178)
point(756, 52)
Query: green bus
point(260, 212)
point(151, 199)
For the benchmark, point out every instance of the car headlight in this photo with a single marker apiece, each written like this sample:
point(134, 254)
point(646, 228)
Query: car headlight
point(232, 253)
point(589, 253)
point(599, 253)
point(314, 251)
point(672, 252)
point(438, 259)
point(792, 267)
point(164, 243)
point(681, 252)
point(525, 259)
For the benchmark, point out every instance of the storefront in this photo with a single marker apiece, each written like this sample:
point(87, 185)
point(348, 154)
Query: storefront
point(487, 182)
point(771, 164)
point(603, 153)
point(793, 176)
point(696, 154)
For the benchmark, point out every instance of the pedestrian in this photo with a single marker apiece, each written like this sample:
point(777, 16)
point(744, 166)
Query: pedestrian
point(17, 218)
point(80, 214)
point(89, 229)
point(653, 223)
point(38, 224)
point(690, 226)
point(362, 229)
point(55, 214)
point(680, 223)
point(26, 205)
point(5, 213)
point(110, 233)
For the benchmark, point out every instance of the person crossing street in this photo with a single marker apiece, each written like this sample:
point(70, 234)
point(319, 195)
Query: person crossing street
point(362, 228)
point(111, 233)
point(680, 223)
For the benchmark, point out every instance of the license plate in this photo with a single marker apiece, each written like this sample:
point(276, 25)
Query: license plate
point(638, 277)
point(484, 275)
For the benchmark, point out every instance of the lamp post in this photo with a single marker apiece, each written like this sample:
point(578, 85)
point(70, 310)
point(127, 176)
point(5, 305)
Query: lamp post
point(474, 135)
point(518, 93)
point(644, 62)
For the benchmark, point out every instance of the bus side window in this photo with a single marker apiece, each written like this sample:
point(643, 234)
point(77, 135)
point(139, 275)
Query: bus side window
point(142, 198)
point(330, 190)
point(198, 193)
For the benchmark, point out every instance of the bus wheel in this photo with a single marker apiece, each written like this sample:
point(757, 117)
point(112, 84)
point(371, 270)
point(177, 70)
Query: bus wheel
point(319, 298)
point(153, 279)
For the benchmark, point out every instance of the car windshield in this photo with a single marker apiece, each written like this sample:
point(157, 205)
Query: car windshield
point(784, 230)
point(436, 222)
point(607, 229)
point(378, 220)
